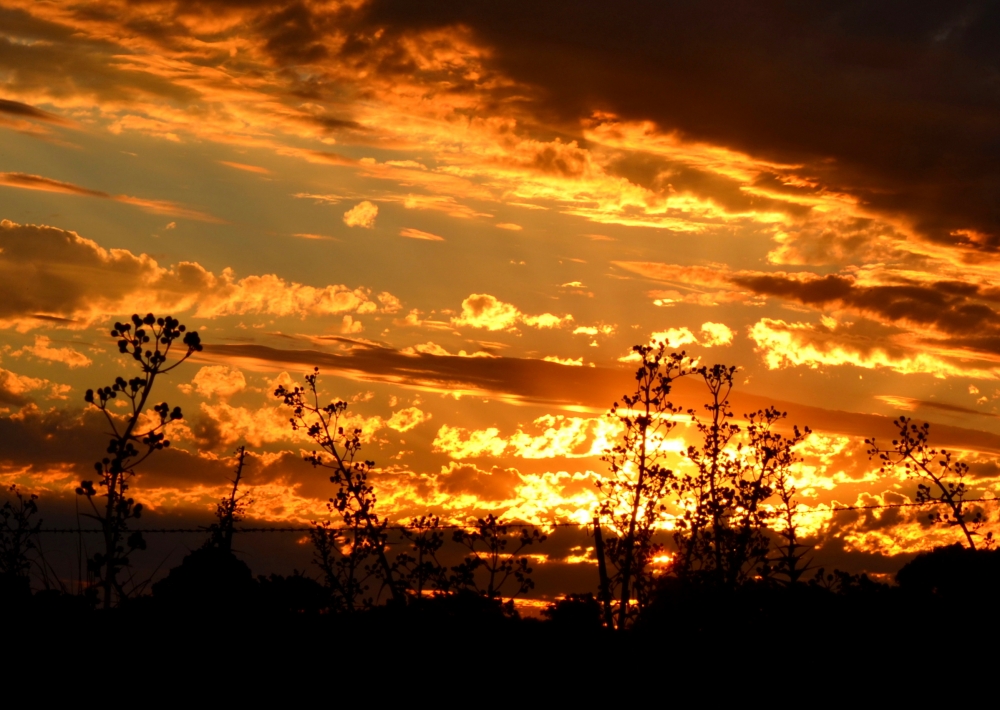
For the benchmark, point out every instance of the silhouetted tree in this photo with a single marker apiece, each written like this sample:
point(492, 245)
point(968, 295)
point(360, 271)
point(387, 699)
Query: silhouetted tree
point(722, 536)
point(419, 568)
point(788, 562)
point(941, 480)
point(230, 509)
point(489, 566)
point(17, 539)
point(149, 341)
point(344, 556)
point(364, 536)
point(208, 580)
point(635, 487)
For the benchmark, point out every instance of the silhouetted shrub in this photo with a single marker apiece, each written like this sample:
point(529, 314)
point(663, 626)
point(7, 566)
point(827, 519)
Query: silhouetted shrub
point(17, 539)
point(147, 340)
point(293, 594)
point(580, 612)
point(954, 574)
point(490, 565)
point(352, 557)
point(209, 579)
point(941, 479)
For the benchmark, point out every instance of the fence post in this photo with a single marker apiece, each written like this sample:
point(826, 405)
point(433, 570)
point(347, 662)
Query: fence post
point(602, 570)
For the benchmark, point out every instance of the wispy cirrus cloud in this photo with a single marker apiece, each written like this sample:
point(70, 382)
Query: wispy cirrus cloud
point(411, 233)
point(44, 184)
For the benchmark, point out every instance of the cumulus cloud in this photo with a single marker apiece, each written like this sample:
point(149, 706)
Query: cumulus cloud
point(43, 350)
point(460, 443)
point(362, 214)
point(569, 362)
point(817, 345)
point(390, 304)
point(481, 310)
point(558, 436)
point(546, 320)
point(227, 425)
point(406, 419)
point(348, 325)
point(15, 388)
point(53, 273)
point(952, 308)
point(431, 348)
point(715, 334)
point(710, 335)
point(674, 337)
point(594, 330)
point(216, 381)
point(496, 484)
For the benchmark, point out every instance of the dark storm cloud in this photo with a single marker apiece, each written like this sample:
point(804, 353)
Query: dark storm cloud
point(955, 309)
point(897, 102)
point(950, 307)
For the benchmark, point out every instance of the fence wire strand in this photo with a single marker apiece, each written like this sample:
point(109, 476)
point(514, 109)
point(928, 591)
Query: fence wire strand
point(451, 526)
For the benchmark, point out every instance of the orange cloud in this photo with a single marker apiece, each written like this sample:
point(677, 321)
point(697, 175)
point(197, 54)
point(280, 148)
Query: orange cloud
point(430, 348)
point(14, 388)
point(711, 335)
point(417, 234)
point(481, 310)
point(74, 279)
point(44, 184)
point(569, 362)
point(560, 436)
point(791, 344)
point(459, 443)
point(43, 350)
point(406, 419)
point(362, 214)
point(248, 168)
point(216, 381)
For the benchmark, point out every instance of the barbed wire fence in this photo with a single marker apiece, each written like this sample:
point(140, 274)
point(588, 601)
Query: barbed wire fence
point(512, 523)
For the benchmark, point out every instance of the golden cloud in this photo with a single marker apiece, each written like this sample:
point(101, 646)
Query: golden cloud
point(406, 419)
point(417, 234)
point(44, 184)
point(362, 214)
point(14, 388)
point(43, 350)
point(74, 279)
point(790, 344)
point(560, 437)
point(216, 381)
point(481, 310)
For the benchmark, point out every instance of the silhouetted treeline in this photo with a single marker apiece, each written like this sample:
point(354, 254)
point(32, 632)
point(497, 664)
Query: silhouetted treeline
point(700, 548)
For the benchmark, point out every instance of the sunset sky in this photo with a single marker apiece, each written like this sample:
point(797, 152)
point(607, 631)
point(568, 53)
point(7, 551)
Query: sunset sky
point(466, 213)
